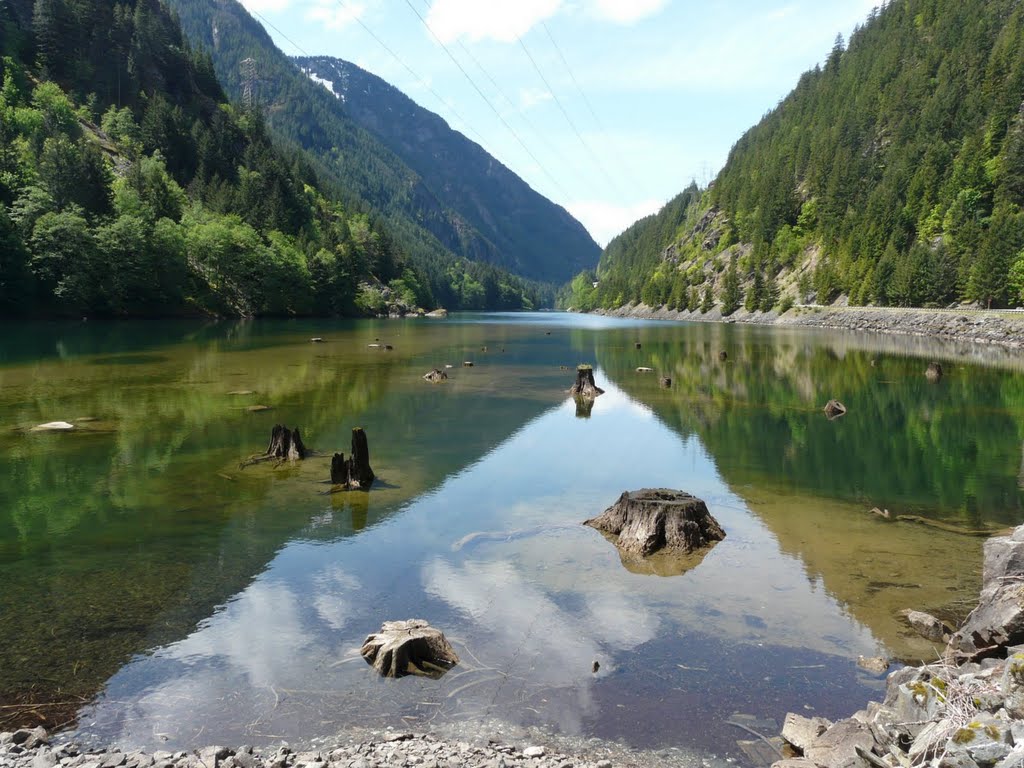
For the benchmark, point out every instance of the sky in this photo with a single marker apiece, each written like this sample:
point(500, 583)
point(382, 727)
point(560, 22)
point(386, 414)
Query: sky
point(607, 107)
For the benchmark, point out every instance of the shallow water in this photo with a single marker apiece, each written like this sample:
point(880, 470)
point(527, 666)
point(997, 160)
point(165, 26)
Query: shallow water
point(162, 597)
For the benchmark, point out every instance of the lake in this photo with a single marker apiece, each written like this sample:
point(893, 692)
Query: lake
point(157, 595)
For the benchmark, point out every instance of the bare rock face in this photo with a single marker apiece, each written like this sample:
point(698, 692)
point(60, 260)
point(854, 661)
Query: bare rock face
point(651, 520)
point(585, 388)
point(409, 647)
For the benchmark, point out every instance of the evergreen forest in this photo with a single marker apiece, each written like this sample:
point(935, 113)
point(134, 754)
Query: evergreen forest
point(892, 175)
point(131, 186)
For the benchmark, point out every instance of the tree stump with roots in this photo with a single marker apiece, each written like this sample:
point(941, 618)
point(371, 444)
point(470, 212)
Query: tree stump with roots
point(585, 388)
point(410, 647)
point(285, 445)
point(353, 473)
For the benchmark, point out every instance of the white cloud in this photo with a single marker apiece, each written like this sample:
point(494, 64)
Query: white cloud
point(331, 15)
point(627, 11)
point(531, 97)
point(605, 220)
point(266, 6)
point(500, 20)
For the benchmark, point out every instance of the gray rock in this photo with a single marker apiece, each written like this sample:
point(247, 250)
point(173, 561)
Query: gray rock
point(534, 752)
point(959, 759)
point(801, 732)
point(1013, 760)
point(794, 762)
point(926, 625)
point(44, 758)
point(837, 747)
point(113, 760)
point(915, 704)
point(998, 620)
point(604, 764)
point(876, 665)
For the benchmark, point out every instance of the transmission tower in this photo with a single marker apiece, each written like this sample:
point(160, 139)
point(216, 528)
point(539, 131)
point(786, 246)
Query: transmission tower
point(248, 69)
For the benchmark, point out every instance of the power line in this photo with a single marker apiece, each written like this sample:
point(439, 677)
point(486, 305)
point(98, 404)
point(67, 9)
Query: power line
point(266, 21)
point(586, 99)
point(565, 114)
point(483, 96)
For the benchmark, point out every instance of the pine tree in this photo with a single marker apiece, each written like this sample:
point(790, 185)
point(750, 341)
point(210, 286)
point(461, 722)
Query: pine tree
point(731, 291)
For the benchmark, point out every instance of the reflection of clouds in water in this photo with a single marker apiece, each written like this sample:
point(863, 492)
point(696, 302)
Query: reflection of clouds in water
point(257, 634)
point(332, 587)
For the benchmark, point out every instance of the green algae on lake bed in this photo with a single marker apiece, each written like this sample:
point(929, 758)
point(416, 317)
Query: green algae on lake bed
point(146, 574)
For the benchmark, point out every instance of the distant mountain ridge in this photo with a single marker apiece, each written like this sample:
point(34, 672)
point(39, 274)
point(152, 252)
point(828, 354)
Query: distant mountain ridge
point(523, 226)
point(469, 207)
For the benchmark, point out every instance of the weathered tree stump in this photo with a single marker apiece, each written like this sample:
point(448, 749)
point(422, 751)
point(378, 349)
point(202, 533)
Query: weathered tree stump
point(353, 473)
point(638, 345)
point(410, 647)
point(834, 409)
point(285, 445)
point(435, 375)
point(585, 388)
point(723, 355)
point(584, 407)
point(666, 382)
point(651, 520)
point(934, 371)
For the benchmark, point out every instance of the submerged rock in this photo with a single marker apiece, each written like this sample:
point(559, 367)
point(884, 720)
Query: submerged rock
point(54, 426)
point(652, 520)
point(926, 625)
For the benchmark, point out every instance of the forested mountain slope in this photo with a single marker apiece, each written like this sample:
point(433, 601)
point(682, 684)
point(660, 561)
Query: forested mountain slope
point(893, 174)
point(531, 235)
point(481, 218)
point(128, 184)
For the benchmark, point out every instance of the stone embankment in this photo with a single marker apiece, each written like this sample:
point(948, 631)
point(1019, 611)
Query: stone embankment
point(964, 711)
point(968, 325)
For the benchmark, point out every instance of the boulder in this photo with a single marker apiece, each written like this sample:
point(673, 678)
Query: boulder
point(837, 747)
point(409, 647)
point(801, 732)
point(926, 625)
point(834, 409)
point(651, 520)
point(876, 665)
point(998, 621)
point(435, 375)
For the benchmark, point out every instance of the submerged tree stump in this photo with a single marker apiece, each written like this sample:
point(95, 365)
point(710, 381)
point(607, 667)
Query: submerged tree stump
point(410, 647)
point(834, 409)
point(585, 388)
point(285, 445)
point(666, 382)
point(934, 371)
point(353, 473)
point(435, 375)
point(651, 520)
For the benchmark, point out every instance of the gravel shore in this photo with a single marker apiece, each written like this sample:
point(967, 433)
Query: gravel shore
point(34, 748)
point(967, 325)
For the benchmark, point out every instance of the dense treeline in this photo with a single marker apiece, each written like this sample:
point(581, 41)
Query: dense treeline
point(129, 185)
point(440, 240)
point(893, 174)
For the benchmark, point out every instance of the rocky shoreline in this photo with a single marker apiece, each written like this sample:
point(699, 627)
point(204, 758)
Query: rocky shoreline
point(33, 748)
point(968, 325)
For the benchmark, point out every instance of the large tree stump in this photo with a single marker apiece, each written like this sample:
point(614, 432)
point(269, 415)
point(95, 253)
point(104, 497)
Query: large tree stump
point(354, 473)
point(285, 445)
point(651, 520)
point(934, 371)
point(410, 647)
point(585, 387)
point(834, 409)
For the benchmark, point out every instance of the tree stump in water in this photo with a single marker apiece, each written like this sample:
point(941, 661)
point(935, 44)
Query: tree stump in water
point(585, 388)
point(285, 445)
point(651, 520)
point(666, 382)
point(723, 355)
point(834, 409)
point(934, 371)
point(410, 647)
point(354, 473)
point(435, 375)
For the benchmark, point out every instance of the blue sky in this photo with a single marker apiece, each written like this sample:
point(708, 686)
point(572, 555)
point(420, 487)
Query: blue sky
point(654, 95)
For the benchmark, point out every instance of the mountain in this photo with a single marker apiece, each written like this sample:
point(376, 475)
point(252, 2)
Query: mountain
point(525, 229)
point(129, 185)
point(441, 193)
point(892, 175)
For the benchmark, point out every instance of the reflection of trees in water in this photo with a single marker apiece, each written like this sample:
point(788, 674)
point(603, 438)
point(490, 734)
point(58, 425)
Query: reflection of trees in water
point(907, 443)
